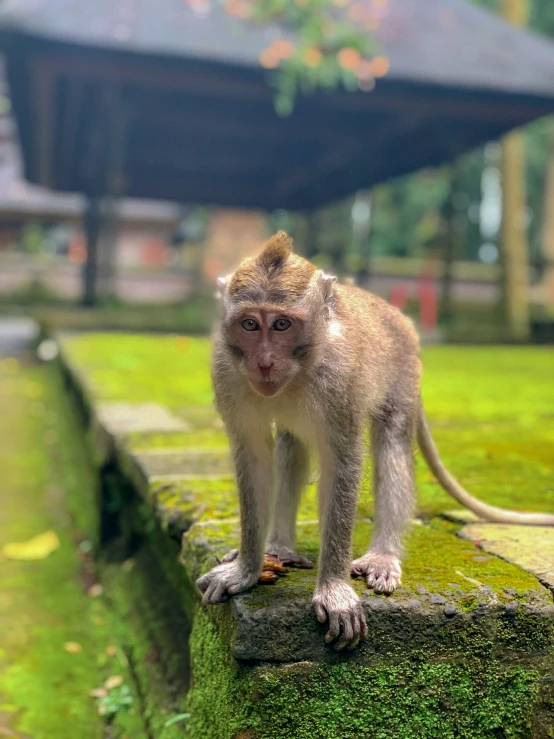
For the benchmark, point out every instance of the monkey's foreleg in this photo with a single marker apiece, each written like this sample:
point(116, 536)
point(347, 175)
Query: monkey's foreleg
point(253, 462)
point(334, 600)
point(291, 471)
point(392, 439)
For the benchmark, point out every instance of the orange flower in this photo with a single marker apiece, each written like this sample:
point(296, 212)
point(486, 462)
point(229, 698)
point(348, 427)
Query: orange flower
point(268, 59)
point(238, 8)
point(349, 58)
point(380, 66)
point(282, 49)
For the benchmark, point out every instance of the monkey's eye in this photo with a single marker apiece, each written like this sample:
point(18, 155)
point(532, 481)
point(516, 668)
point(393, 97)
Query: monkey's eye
point(249, 324)
point(281, 324)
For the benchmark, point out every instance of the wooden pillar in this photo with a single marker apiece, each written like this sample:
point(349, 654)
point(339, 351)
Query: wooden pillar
point(514, 229)
point(450, 247)
point(548, 229)
point(115, 182)
point(92, 224)
point(103, 170)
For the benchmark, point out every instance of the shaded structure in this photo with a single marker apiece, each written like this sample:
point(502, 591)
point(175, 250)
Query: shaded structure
point(176, 101)
point(168, 100)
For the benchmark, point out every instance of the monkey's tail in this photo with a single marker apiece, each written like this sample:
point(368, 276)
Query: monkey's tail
point(453, 487)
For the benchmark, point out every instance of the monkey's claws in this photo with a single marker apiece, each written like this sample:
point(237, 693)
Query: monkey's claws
point(225, 580)
point(381, 571)
point(337, 603)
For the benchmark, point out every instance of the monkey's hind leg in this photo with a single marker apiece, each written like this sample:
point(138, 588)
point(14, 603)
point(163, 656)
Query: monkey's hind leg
point(238, 572)
point(392, 439)
point(291, 470)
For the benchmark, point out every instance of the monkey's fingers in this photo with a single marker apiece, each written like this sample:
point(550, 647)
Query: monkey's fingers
point(320, 612)
point(230, 556)
point(216, 592)
point(347, 634)
point(334, 627)
point(383, 584)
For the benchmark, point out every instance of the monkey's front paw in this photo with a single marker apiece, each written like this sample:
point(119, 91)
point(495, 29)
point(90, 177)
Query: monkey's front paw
point(339, 604)
point(381, 571)
point(225, 580)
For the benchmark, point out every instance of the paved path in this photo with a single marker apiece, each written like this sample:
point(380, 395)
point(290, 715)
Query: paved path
point(16, 335)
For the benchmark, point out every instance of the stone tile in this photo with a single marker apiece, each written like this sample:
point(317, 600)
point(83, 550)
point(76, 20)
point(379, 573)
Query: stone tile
point(194, 463)
point(529, 547)
point(124, 418)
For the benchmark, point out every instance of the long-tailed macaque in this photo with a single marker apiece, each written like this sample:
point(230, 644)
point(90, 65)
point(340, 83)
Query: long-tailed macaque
point(302, 363)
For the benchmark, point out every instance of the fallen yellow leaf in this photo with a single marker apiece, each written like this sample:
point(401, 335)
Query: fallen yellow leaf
point(113, 682)
point(72, 647)
point(39, 547)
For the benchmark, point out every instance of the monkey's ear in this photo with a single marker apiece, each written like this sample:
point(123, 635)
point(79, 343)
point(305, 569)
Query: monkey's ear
point(327, 282)
point(221, 285)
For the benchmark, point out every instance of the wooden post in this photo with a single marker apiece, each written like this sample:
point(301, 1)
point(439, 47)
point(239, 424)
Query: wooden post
point(449, 250)
point(514, 230)
point(548, 230)
point(92, 223)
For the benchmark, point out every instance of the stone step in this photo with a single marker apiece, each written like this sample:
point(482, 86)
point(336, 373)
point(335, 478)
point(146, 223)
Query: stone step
point(463, 649)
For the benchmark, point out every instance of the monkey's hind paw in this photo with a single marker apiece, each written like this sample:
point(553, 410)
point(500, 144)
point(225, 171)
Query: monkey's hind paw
point(339, 604)
point(381, 571)
point(225, 580)
point(288, 557)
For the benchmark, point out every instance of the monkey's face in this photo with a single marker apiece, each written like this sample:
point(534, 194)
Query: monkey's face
point(268, 345)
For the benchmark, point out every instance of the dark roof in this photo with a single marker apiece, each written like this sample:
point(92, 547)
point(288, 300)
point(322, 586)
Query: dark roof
point(199, 112)
point(20, 200)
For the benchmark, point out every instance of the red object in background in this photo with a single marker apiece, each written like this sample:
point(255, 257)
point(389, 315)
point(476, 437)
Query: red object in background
point(155, 253)
point(77, 251)
point(428, 303)
point(399, 296)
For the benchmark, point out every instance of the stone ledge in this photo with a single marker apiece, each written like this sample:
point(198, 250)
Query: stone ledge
point(470, 612)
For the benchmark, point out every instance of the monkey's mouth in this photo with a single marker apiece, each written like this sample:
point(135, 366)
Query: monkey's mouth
point(267, 388)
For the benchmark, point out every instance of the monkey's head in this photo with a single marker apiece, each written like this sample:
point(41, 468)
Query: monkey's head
point(274, 310)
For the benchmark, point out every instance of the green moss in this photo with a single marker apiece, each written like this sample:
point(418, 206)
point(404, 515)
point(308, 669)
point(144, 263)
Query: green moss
point(153, 632)
point(122, 367)
point(47, 484)
point(488, 408)
point(407, 700)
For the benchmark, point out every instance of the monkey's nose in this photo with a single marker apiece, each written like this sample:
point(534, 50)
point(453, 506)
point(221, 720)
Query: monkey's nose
point(265, 368)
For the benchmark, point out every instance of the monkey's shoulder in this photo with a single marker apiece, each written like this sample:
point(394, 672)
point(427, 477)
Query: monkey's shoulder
point(365, 311)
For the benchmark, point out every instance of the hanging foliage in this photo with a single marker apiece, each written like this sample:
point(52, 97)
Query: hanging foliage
point(329, 43)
